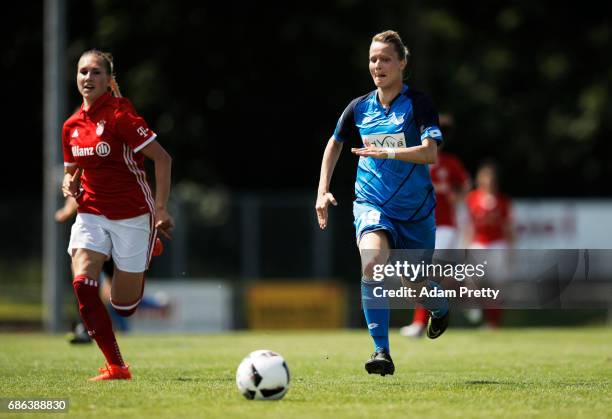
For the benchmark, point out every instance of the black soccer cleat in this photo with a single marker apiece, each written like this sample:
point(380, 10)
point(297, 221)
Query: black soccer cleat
point(79, 335)
point(380, 363)
point(437, 325)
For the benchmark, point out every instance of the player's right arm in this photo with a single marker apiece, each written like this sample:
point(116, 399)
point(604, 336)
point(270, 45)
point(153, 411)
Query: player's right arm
point(324, 196)
point(459, 179)
point(72, 181)
point(345, 130)
point(68, 210)
point(72, 173)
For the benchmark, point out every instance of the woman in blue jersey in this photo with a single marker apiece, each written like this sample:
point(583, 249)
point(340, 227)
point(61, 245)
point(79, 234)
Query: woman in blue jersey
point(397, 130)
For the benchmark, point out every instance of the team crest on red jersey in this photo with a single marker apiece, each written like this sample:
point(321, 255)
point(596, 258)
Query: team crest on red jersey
point(103, 149)
point(100, 127)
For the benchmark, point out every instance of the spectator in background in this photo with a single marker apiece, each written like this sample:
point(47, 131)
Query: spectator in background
point(490, 224)
point(451, 182)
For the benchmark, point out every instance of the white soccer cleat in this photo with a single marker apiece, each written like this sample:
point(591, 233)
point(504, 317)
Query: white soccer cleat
point(473, 315)
point(414, 330)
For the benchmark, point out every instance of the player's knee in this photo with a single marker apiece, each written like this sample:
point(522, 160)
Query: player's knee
point(372, 261)
point(370, 267)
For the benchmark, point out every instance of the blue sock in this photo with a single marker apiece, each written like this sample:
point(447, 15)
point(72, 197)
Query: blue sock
point(376, 311)
point(149, 302)
point(121, 323)
point(437, 306)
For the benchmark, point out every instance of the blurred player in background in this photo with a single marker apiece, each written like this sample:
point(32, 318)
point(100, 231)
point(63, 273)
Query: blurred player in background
point(104, 145)
point(490, 224)
point(451, 182)
point(398, 132)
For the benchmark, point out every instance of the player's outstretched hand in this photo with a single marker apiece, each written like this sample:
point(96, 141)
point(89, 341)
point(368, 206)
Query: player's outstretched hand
point(164, 223)
point(71, 183)
point(67, 211)
point(323, 201)
point(376, 152)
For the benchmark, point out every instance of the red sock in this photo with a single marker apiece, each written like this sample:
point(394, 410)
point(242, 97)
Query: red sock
point(493, 316)
point(96, 319)
point(421, 315)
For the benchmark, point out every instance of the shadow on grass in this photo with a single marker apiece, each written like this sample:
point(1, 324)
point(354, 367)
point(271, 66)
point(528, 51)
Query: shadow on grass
point(487, 382)
point(207, 379)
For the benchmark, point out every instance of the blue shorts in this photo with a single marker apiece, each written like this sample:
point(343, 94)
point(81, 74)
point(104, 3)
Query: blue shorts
point(402, 234)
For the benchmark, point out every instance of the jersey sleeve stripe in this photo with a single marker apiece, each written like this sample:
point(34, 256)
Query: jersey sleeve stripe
point(432, 132)
point(146, 143)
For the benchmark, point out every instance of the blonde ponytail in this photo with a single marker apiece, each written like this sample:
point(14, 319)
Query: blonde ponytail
point(114, 87)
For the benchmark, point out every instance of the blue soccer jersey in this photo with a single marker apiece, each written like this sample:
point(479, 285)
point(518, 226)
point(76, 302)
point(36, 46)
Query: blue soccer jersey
point(401, 190)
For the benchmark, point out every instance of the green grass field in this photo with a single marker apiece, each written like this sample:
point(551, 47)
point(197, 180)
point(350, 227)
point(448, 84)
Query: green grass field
point(466, 373)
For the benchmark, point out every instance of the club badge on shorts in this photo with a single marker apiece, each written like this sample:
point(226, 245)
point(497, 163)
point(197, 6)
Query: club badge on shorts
point(100, 128)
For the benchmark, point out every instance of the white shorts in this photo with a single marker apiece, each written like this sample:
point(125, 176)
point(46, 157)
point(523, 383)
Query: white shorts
point(446, 237)
point(129, 241)
point(500, 260)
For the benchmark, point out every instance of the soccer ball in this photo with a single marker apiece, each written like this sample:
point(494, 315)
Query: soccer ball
point(263, 375)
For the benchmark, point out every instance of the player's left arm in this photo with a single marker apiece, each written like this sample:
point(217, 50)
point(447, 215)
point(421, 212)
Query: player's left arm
point(426, 153)
point(460, 180)
point(141, 139)
point(163, 169)
point(426, 119)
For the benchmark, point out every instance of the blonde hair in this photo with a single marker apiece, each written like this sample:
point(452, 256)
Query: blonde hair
point(107, 59)
point(393, 38)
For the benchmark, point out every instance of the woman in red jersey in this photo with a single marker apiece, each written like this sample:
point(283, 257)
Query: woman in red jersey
point(451, 182)
point(489, 211)
point(105, 143)
point(489, 227)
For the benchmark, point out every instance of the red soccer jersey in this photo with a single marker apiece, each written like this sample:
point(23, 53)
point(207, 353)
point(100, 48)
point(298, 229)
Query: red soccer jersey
point(447, 175)
point(104, 141)
point(489, 214)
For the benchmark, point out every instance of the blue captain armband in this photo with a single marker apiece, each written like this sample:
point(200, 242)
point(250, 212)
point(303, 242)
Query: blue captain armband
point(432, 132)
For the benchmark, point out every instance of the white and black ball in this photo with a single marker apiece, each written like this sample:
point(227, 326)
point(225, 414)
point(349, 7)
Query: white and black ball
point(263, 375)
